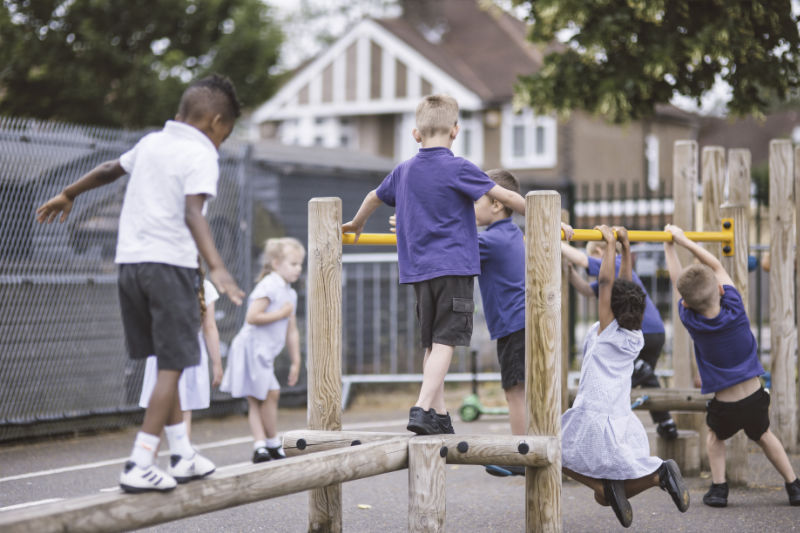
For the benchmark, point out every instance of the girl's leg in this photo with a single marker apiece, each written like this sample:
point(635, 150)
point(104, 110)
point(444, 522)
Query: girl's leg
point(595, 484)
point(515, 396)
point(254, 419)
point(187, 419)
point(774, 451)
point(716, 457)
point(269, 413)
point(434, 369)
point(635, 486)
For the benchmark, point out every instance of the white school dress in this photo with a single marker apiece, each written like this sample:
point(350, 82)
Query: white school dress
point(600, 436)
point(250, 370)
point(194, 386)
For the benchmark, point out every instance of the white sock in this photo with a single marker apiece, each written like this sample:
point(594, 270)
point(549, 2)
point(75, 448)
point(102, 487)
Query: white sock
point(274, 442)
point(259, 444)
point(144, 449)
point(178, 440)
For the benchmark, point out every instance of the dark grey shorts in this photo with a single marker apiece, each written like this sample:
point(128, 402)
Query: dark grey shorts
point(160, 313)
point(511, 355)
point(444, 310)
point(750, 414)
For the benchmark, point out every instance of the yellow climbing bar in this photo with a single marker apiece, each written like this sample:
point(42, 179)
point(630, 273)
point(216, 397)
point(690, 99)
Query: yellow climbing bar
point(724, 236)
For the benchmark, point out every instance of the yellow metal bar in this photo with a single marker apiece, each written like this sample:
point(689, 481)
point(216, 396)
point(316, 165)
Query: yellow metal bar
point(725, 236)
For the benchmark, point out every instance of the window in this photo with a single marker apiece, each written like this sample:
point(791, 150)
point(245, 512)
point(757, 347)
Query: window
point(527, 140)
point(467, 143)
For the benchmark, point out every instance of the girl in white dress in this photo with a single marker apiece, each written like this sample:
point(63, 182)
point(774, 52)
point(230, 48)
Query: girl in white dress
point(603, 443)
point(270, 325)
point(194, 387)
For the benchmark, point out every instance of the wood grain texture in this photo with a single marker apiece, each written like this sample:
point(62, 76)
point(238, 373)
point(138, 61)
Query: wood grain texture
point(796, 446)
point(565, 347)
point(739, 176)
point(684, 187)
point(665, 399)
point(324, 344)
point(226, 488)
point(783, 335)
point(543, 353)
point(502, 449)
point(426, 485)
point(320, 440)
point(713, 180)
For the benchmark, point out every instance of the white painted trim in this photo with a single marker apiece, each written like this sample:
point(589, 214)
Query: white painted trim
point(530, 122)
point(315, 90)
point(369, 30)
point(339, 80)
point(363, 59)
point(388, 75)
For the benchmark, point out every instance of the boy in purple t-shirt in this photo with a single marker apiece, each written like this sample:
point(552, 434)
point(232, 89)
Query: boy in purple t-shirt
point(727, 360)
point(437, 245)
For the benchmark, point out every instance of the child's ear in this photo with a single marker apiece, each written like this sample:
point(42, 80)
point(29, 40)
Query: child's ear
point(721, 290)
point(454, 131)
point(416, 134)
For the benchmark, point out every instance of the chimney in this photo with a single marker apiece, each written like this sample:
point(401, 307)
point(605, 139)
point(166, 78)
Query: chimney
point(427, 16)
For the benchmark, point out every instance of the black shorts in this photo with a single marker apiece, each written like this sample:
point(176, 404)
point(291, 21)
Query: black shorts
point(511, 355)
point(751, 414)
point(444, 310)
point(161, 313)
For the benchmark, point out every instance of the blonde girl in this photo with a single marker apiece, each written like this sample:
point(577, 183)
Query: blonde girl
point(270, 324)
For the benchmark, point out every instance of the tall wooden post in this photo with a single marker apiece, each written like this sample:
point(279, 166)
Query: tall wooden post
point(565, 325)
point(713, 180)
point(783, 335)
point(324, 361)
point(426, 484)
point(543, 353)
point(796, 447)
point(736, 266)
point(684, 195)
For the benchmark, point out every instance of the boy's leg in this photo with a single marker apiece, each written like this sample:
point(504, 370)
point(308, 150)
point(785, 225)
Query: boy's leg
point(774, 451)
point(515, 396)
point(435, 367)
point(716, 457)
point(164, 406)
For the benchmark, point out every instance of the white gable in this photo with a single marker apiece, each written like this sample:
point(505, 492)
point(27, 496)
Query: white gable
point(302, 96)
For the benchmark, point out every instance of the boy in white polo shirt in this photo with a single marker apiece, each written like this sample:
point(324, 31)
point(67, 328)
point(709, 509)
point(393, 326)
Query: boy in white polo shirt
point(161, 229)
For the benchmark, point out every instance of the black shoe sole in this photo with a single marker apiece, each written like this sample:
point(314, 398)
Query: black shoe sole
point(614, 492)
point(187, 479)
point(715, 504)
point(419, 429)
point(674, 485)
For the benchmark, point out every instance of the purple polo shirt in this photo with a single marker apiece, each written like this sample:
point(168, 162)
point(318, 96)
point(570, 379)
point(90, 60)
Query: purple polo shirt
point(434, 194)
point(724, 346)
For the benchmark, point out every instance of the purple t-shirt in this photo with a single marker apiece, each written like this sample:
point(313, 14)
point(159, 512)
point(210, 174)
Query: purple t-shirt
point(651, 321)
point(434, 194)
point(724, 346)
point(502, 279)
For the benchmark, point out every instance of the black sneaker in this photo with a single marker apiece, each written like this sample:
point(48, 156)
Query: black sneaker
point(614, 492)
point(423, 422)
point(642, 373)
point(667, 430)
point(793, 489)
point(717, 495)
point(445, 423)
point(276, 453)
point(261, 455)
point(670, 480)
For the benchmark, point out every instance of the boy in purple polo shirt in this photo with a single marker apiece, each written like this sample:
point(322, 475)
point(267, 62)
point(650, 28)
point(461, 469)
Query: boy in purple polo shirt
point(437, 245)
point(727, 360)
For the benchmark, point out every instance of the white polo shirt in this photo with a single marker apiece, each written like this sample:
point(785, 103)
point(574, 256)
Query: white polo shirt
point(164, 168)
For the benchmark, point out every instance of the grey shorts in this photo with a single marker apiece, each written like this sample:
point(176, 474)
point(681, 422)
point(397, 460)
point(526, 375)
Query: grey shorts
point(444, 310)
point(511, 355)
point(161, 313)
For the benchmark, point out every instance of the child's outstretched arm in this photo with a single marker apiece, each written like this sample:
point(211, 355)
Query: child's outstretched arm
point(201, 233)
point(626, 262)
point(368, 206)
point(703, 255)
point(293, 345)
point(574, 256)
point(211, 336)
point(516, 202)
point(257, 315)
point(100, 175)
point(605, 278)
point(580, 284)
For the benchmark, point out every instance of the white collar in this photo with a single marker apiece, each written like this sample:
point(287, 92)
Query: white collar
point(182, 129)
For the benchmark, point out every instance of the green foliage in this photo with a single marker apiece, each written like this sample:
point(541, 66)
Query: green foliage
point(125, 63)
point(626, 56)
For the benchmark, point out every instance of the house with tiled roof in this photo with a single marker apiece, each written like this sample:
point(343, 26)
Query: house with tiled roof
point(362, 91)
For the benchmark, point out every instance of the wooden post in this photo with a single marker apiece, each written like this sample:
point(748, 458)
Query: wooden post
point(324, 327)
point(684, 196)
point(426, 484)
point(736, 266)
point(543, 353)
point(796, 446)
point(783, 336)
point(565, 325)
point(739, 177)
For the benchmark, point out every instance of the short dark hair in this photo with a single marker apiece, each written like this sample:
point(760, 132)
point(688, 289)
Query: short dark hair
point(212, 94)
point(627, 303)
point(505, 179)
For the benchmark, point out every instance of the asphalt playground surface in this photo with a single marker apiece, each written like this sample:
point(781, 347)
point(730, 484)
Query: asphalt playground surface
point(476, 502)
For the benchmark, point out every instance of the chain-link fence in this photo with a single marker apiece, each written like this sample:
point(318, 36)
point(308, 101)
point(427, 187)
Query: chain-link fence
point(63, 363)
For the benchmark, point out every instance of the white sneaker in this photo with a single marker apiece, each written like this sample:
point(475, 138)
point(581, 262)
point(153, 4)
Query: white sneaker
point(134, 478)
point(195, 467)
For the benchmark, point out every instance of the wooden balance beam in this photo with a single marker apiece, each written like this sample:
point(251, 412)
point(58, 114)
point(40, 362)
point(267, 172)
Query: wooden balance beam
point(665, 399)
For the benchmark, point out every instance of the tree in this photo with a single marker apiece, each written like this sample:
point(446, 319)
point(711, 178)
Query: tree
point(626, 56)
point(124, 63)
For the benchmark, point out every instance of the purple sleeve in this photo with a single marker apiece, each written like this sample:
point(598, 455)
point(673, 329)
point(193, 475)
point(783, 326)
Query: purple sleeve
point(731, 299)
point(593, 268)
point(386, 190)
point(472, 181)
point(483, 245)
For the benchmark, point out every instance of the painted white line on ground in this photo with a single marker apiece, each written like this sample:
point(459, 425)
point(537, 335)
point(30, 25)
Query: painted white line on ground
point(111, 489)
point(206, 446)
point(29, 504)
